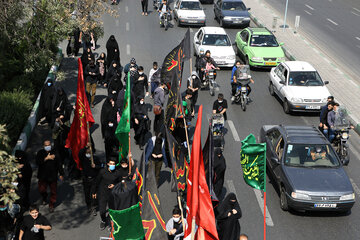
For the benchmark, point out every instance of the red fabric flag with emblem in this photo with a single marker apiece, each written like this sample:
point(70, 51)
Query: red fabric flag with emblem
point(199, 206)
point(78, 136)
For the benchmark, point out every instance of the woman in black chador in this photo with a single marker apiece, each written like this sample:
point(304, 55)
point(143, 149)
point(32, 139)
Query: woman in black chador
point(219, 171)
point(113, 78)
point(113, 52)
point(228, 215)
point(140, 121)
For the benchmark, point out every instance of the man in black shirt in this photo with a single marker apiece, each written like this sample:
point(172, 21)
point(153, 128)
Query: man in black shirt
point(49, 168)
point(33, 225)
point(89, 173)
point(92, 72)
point(220, 106)
point(174, 227)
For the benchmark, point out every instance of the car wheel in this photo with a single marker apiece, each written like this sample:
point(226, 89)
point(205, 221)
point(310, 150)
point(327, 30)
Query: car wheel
point(271, 89)
point(247, 62)
point(286, 106)
point(283, 200)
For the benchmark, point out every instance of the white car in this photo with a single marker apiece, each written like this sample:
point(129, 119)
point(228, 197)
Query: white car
point(218, 42)
point(189, 12)
point(299, 86)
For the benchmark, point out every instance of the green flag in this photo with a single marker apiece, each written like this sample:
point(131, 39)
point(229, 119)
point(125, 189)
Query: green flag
point(127, 223)
point(253, 162)
point(123, 129)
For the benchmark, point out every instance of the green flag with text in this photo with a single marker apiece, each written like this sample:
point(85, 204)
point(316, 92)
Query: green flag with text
point(253, 162)
point(123, 129)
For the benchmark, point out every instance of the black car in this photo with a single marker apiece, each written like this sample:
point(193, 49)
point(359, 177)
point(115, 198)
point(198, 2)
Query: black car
point(231, 13)
point(306, 169)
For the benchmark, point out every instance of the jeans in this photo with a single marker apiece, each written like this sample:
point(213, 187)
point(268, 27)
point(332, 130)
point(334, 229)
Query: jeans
point(154, 85)
point(43, 191)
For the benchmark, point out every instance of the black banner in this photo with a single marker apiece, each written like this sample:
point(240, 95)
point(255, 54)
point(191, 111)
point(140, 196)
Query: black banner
point(208, 156)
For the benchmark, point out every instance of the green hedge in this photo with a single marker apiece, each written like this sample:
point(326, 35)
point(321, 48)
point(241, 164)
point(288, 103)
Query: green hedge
point(15, 107)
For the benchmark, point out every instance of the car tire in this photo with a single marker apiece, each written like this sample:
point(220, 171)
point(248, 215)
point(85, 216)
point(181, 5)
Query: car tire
point(271, 89)
point(248, 63)
point(283, 200)
point(286, 106)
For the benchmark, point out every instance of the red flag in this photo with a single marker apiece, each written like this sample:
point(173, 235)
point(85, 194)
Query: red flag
point(78, 136)
point(199, 206)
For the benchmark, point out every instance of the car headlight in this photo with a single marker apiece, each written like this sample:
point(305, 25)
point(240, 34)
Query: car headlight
point(345, 135)
point(246, 19)
point(227, 19)
point(350, 196)
point(281, 59)
point(257, 59)
point(301, 196)
point(296, 100)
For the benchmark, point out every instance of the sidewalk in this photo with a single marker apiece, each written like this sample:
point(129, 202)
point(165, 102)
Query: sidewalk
point(297, 47)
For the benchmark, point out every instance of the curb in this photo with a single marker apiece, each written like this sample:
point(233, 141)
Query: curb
point(30, 124)
point(293, 58)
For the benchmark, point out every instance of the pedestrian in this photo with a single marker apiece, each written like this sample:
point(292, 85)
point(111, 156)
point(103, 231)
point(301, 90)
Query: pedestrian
point(331, 120)
point(220, 106)
point(45, 103)
point(113, 78)
point(141, 88)
point(159, 99)
point(101, 62)
point(130, 66)
point(77, 41)
point(144, 5)
point(219, 171)
point(105, 181)
point(90, 170)
point(187, 103)
point(86, 57)
point(109, 123)
point(141, 121)
point(113, 52)
point(243, 237)
point(194, 85)
point(324, 111)
point(49, 167)
point(228, 215)
point(34, 225)
point(155, 79)
point(174, 227)
point(199, 63)
point(155, 151)
point(25, 174)
point(92, 72)
point(324, 125)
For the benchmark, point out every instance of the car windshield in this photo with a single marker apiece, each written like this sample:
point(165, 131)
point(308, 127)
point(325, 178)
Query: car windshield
point(234, 6)
point(263, 41)
point(305, 79)
point(216, 40)
point(190, 6)
point(310, 155)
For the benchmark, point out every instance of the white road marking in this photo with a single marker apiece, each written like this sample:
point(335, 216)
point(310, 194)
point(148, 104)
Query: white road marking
point(260, 200)
point(128, 49)
point(233, 131)
point(355, 86)
point(315, 50)
point(117, 23)
point(305, 41)
point(308, 6)
point(126, 9)
point(327, 60)
point(358, 38)
point(191, 30)
point(356, 9)
point(339, 71)
point(355, 13)
point(332, 21)
point(127, 26)
point(308, 12)
point(355, 187)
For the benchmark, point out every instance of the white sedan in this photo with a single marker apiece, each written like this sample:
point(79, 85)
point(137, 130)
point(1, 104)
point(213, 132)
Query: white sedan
point(299, 86)
point(189, 12)
point(218, 42)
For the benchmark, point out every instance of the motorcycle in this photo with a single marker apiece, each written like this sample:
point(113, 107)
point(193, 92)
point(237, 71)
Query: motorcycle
point(165, 20)
point(210, 81)
point(243, 79)
point(341, 129)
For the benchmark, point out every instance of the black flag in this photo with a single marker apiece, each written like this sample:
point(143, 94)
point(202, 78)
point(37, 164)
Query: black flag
point(208, 155)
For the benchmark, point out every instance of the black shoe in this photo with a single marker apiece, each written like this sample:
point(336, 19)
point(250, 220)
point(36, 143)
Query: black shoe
point(102, 225)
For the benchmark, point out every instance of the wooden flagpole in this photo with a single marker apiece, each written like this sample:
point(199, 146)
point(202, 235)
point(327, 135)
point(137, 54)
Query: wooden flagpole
point(182, 214)
point(193, 229)
point(264, 215)
point(130, 156)
point(90, 145)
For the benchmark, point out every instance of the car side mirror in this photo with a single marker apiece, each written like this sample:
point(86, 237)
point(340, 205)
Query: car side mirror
point(282, 82)
point(281, 44)
point(326, 82)
point(275, 160)
point(197, 43)
point(248, 9)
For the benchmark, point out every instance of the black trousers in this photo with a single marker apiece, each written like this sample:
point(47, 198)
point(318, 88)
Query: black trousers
point(159, 123)
point(103, 203)
point(88, 184)
point(144, 5)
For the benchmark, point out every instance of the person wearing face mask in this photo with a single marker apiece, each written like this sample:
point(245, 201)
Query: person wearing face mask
point(92, 72)
point(86, 57)
point(207, 60)
point(227, 217)
point(141, 121)
point(113, 53)
point(45, 104)
point(49, 167)
point(105, 182)
point(141, 84)
point(89, 172)
point(108, 119)
point(219, 171)
point(151, 81)
point(174, 227)
point(220, 106)
point(194, 85)
point(131, 65)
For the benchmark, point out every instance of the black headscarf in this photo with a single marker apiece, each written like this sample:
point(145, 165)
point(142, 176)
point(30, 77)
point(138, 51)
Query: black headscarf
point(46, 99)
point(111, 45)
point(108, 114)
point(219, 171)
point(85, 57)
point(228, 226)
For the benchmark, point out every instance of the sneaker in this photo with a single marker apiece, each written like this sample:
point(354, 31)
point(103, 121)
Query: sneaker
point(232, 98)
point(102, 225)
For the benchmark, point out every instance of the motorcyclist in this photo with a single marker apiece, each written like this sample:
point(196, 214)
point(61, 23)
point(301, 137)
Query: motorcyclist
point(199, 63)
point(208, 63)
point(238, 68)
point(164, 8)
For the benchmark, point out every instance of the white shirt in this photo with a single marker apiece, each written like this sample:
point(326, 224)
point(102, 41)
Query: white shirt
point(152, 71)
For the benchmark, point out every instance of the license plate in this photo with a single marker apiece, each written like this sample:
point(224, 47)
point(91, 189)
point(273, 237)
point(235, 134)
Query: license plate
point(191, 21)
point(237, 21)
point(312, 107)
point(243, 88)
point(325, 205)
point(220, 62)
point(270, 63)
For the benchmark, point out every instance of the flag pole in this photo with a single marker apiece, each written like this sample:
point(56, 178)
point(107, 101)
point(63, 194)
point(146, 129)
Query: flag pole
point(187, 137)
point(182, 213)
point(264, 215)
point(130, 158)
point(193, 229)
point(89, 142)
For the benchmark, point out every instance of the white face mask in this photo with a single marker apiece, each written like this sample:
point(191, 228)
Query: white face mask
point(220, 101)
point(141, 102)
point(88, 155)
point(47, 148)
point(141, 73)
point(176, 219)
point(111, 124)
point(193, 77)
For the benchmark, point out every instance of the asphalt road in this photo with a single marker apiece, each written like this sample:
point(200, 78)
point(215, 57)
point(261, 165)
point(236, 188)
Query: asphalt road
point(140, 37)
point(332, 24)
